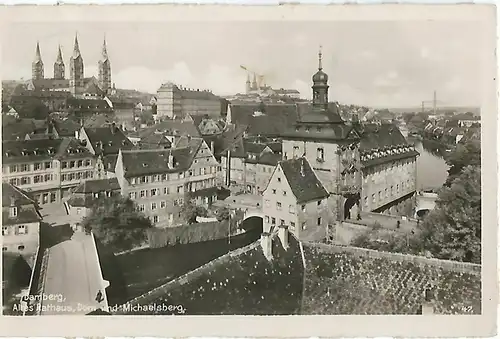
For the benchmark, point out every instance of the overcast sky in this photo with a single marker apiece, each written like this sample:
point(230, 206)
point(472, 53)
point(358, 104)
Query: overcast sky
point(385, 64)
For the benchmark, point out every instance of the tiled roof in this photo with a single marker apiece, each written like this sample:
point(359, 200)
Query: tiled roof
point(264, 119)
point(67, 127)
point(172, 127)
point(12, 192)
point(252, 147)
point(33, 150)
point(110, 162)
point(146, 162)
point(267, 158)
point(50, 84)
point(98, 120)
point(110, 141)
point(307, 114)
point(13, 129)
point(303, 181)
point(80, 104)
point(276, 147)
point(155, 140)
point(380, 136)
point(97, 185)
point(194, 143)
point(228, 139)
point(26, 208)
point(358, 284)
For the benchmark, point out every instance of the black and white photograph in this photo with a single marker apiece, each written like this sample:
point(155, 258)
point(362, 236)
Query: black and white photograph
point(246, 167)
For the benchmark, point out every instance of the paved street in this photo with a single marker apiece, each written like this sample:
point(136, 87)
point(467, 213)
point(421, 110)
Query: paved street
point(73, 277)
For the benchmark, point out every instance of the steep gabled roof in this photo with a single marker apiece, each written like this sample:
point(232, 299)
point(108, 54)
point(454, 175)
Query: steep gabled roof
point(26, 207)
point(303, 181)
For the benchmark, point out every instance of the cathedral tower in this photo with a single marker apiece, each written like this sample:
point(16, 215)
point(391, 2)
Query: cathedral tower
point(105, 70)
point(76, 70)
point(320, 86)
point(59, 66)
point(37, 65)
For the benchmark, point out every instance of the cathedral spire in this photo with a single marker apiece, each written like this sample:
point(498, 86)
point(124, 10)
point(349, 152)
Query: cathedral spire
point(76, 50)
point(59, 59)
point(104, 50)
point(37, 65)
point(59, 65)
point(320, 58)
point(38, 55)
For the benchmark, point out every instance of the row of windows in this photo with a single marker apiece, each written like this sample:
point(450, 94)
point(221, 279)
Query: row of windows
point(155, 192)
point(37, 166)
point(76, 163)
point(198, 185)
point(16, 230)
point(167, 177)
point(19, 248)
point(77, 176)
point(163, 204)
point(387, 193)
point(272, 220)
point(291, 208)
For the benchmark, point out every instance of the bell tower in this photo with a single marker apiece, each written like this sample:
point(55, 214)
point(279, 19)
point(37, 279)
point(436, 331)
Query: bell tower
point(105, 70)
point(320, 85)
point(37, 65)
point(59, 66)
point(76, 70)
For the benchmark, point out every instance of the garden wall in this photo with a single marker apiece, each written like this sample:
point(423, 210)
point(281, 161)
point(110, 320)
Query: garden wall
point(345, 232)
point(448, 265)
point(187, 234)
point(386, 221)
point(163, 289)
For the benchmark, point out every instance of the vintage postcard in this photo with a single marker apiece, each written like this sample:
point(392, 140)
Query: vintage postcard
point(279, 171)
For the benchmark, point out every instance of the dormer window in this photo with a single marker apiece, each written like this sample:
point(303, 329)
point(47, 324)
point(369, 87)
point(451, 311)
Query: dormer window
point(13, 212)
point(96, 195)
point(320, 154)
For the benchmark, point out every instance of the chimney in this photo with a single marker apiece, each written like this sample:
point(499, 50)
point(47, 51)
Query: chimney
point(427, 306)
point(212, 147)
point(283, 235)
point(113, 128)
point(12, 201)
point(77, 134)
point(266, 244)
point(170, 160)
point(302, 171)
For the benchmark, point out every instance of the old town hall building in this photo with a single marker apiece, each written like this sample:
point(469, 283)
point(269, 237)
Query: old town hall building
point(362, 167)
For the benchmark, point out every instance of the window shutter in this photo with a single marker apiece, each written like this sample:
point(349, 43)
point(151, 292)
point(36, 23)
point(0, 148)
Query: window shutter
point(26, 229)
point(16, 230)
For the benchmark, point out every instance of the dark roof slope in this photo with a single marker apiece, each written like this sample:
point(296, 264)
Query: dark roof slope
point(307, 114)
point(303, 181)
point(97, 185)
point(147, 162)
point(264, 119)
point(111, 138)
point(30, 150)
point(26, 207)
point(380, 136)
